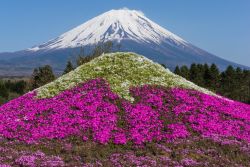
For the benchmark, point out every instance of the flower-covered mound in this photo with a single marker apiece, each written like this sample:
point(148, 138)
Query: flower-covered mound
point(174, 126)
point(121, 70)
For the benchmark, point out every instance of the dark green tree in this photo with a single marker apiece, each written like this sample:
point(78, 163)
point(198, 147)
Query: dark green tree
point(4, 92)
point(232, 83)
point(246, 85)
point(69, 67)
point(177, 70)
point(35, 79)
point(206, 76)
point(239, 85)
point(42, 76)
point(19, 87)
point(228, 82)
point(196, 74)
point(214, 77)
point(163, 65)
point(200, 75)
point(185, 72)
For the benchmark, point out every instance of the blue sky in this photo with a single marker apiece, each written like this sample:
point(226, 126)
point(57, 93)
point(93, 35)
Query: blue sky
point(221, 27)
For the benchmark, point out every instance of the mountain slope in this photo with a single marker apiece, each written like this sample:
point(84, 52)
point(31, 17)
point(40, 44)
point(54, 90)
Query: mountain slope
point(129, 28)
point(122, 109)
point(113, 25)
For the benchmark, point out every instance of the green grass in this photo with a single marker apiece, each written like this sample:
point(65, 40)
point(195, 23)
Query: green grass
point(122, 70)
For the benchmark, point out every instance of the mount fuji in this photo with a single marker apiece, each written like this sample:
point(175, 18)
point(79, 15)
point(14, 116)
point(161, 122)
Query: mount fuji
point(129, 28)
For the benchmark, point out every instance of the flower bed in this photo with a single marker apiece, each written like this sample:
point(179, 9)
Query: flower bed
point(93, 112)
point(121, 70)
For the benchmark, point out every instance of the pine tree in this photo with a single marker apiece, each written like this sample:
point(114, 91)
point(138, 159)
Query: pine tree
point(185, 72)
point(69, 67)
point(200, 75)
point(206, 76)
point(227, 81)
point(177, 70)
point(194, 74)
point(214, 77)
point(239, 84)
point(232, 83)
point(246, 92)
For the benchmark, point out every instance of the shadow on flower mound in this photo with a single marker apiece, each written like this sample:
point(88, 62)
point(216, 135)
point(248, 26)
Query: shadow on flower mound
point(94, 113)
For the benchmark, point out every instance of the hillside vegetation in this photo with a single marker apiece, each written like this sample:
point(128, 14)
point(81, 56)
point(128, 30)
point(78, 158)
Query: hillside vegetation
point(233, 83)
point(122, 109)
point(122, 71)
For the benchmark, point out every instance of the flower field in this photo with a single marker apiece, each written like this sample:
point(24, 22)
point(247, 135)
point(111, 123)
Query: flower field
point(90, 124)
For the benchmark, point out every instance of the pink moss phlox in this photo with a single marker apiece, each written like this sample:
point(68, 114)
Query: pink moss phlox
point(92, 111)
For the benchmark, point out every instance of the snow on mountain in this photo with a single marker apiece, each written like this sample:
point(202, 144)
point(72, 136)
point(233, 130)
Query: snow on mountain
point(113, 25)
point(130, 28)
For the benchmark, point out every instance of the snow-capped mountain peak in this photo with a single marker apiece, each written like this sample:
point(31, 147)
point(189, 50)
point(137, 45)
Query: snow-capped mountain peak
point(114, 25)
point(130, 28)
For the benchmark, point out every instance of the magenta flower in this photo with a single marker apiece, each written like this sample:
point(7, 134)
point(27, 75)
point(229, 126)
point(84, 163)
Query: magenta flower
point(92, 111)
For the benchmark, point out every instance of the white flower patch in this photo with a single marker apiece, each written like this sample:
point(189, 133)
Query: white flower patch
point(121, 70)
point(125, 84)
point(157, 79)
point(97, 68)
point(140, 59)
point(25, 118)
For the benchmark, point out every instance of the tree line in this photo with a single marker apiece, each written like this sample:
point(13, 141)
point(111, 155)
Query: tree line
point(10, 89)
point(233, 83)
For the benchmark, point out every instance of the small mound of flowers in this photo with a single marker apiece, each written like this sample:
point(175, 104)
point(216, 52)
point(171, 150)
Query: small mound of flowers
point(93, 112)
point(121, 70)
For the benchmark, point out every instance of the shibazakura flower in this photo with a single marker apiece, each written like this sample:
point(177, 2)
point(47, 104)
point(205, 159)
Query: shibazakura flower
point(92, 111)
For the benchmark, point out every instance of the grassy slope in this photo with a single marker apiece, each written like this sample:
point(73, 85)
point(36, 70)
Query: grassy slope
point(122, 70)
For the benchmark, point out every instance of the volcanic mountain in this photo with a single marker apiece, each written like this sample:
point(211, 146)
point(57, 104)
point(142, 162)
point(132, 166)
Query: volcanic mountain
point(122, 109)
point(131, 29)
